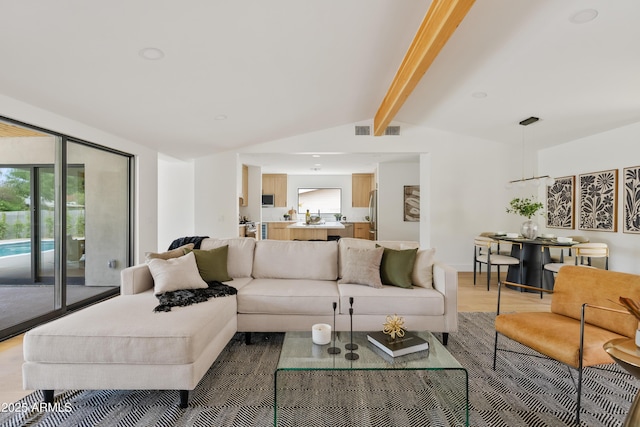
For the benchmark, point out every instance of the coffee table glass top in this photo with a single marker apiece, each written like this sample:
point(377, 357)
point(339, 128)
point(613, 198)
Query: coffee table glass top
point(299, 352)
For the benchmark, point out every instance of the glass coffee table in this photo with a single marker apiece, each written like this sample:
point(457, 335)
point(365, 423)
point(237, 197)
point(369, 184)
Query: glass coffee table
point(314, 387)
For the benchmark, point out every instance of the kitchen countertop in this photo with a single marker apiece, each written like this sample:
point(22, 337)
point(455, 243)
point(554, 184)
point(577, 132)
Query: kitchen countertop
point(332, 224)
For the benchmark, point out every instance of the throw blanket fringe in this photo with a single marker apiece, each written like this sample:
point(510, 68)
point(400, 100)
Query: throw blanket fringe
point(196, 240)
point(186, 297)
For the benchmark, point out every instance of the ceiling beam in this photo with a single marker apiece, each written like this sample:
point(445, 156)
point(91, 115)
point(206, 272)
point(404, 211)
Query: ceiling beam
point(442, 19)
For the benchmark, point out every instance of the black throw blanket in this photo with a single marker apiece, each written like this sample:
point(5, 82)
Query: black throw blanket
point(186, 297)
point(196, 240)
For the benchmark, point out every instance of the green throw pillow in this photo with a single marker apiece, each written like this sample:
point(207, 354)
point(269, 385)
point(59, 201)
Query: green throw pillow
point(212, 264)
point(396, 267)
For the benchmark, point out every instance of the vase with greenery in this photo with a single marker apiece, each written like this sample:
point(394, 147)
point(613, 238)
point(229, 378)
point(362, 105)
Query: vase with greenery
point(526, 207)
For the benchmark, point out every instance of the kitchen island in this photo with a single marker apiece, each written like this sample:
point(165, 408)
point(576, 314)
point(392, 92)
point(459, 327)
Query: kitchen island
point(302, 231)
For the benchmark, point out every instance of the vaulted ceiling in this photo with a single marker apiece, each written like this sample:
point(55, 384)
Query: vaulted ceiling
point(236, 73)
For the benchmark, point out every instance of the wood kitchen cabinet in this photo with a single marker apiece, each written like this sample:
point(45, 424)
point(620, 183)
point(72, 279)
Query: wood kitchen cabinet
point(361, 230)
point(361, 185)
point(276, 184)
point(278, 230)
point(244, 198)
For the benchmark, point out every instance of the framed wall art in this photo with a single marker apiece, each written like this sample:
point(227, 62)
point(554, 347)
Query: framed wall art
point(631, 189)
point(561, 203)
point(412, 203)
point(598, 201)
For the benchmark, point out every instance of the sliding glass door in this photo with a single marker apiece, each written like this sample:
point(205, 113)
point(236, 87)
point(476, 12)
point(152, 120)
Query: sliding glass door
point(65, 233)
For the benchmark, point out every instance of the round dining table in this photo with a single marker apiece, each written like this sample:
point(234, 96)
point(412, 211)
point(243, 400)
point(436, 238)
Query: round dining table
point(536, 252)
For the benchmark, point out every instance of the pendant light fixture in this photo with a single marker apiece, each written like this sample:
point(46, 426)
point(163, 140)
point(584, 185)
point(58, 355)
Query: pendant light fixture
point(534, 180)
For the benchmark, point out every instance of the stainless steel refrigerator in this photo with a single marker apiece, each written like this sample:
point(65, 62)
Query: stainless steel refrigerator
point(373, 215)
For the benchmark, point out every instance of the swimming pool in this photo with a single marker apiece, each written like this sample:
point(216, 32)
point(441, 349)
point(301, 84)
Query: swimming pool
point(20, 248)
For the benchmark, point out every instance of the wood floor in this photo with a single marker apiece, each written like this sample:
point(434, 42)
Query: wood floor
point(470, 298)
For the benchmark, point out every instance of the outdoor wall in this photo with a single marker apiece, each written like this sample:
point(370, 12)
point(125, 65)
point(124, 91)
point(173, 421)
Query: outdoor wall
point(614, 149)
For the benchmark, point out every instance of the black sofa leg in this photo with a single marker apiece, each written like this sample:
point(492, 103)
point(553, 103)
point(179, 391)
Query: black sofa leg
point(184, 398)
point(247, 338)
point(445, 338)
point(48, 396)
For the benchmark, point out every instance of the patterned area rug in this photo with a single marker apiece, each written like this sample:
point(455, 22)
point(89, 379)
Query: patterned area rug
point(525, 390)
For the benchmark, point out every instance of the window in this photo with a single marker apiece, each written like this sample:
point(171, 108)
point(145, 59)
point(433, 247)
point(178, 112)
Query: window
point(323, 200)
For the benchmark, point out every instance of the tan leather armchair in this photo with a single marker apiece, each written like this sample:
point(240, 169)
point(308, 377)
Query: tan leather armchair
point(583, 316)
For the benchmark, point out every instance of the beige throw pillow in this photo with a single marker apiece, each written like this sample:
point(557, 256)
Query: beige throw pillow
point(175, 274)
point(174, 253)
point(422, 274)
point(362, 267)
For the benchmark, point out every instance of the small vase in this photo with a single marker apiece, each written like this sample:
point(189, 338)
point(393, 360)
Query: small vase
point(529, 229)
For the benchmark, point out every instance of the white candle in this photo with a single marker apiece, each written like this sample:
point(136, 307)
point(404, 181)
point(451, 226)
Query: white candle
point(321, 333)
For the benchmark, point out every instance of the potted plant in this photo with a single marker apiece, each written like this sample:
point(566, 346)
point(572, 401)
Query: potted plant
point(526, 207)
point(338, 216)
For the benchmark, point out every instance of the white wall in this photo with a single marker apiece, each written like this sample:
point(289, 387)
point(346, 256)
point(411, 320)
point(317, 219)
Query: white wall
point(216, 195)
point(392, 177)
point(146, 200)
point(176, 199)
point(615, 149)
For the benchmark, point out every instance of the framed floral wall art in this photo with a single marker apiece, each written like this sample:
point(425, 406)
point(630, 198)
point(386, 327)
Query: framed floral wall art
point(631, 189)
point(561, 203)
point(598, 201)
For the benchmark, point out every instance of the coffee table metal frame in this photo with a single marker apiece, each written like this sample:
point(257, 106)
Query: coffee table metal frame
point(300, 354)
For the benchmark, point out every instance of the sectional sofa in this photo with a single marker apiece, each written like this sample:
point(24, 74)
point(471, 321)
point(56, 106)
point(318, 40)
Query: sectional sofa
point(122, 343)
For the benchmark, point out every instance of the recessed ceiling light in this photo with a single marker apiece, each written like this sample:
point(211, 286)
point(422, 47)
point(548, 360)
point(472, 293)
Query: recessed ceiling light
point(479, 95)
point(584, 16)
point(220, 117)
point(318, 164)
point(315, 155)
point(151, 53)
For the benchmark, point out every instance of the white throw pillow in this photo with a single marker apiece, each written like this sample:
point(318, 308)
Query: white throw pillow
point(362, 267)
point(422, 274)
point(175, 274)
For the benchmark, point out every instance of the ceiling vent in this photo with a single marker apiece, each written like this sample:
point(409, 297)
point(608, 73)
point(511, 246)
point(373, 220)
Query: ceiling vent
point(392, 130)
point(363, 130)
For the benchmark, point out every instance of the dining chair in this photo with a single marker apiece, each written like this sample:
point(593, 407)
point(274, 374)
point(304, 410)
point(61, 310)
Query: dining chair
point(589, 251)
point(567, 259)
point(485, 252)
point(553, 266)
point(506, 249)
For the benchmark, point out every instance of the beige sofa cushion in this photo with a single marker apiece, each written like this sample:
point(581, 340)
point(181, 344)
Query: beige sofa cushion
point(294, 296)
point(391, 300)
point(125, 329)
point(285, 259)
point(240, 256)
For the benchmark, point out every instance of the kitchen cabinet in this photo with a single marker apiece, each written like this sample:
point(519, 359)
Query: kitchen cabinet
point(244, 198)
point(278, 230)
point(361, 230)
point(276, 184)
point(361, 185)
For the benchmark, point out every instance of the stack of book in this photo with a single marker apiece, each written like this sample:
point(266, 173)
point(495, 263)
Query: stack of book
point(409, 343)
